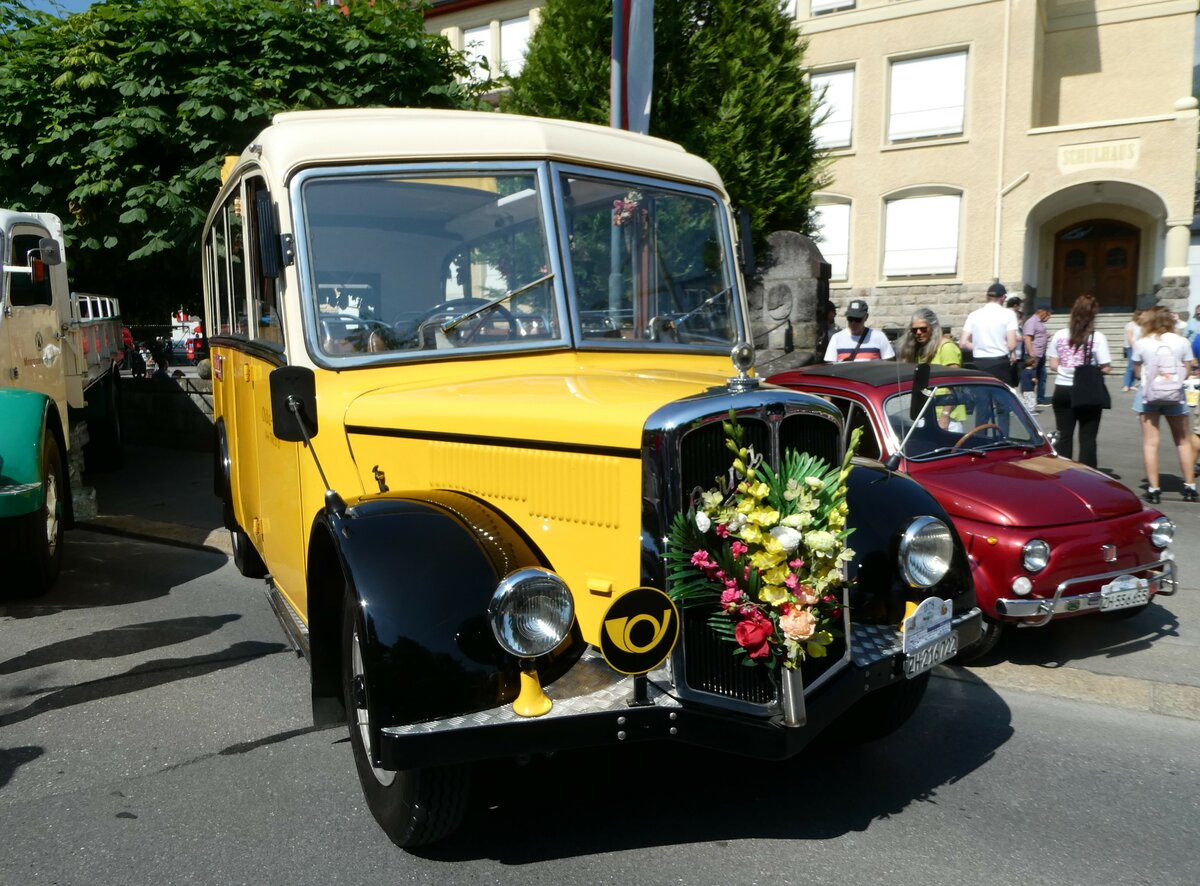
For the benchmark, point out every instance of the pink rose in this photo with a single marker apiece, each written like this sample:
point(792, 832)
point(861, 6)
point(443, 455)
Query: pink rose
point(738, 549)
point(721, 530)
point(754, 633)
point(791, 581)
point(700, 558)
point(730, 597)
point(797, 624)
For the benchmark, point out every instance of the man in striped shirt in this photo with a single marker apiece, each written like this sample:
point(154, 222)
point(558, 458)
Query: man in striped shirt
point(858, 341)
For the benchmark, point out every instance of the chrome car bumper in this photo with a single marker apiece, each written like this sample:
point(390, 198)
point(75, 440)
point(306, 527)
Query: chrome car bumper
point(1037, 611)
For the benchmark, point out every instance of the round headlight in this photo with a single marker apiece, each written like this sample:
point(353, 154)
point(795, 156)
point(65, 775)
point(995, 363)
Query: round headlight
point(926, 551)
point(1022, 586)
point(1035, 555)
point(1162, 532)
point(531, 612)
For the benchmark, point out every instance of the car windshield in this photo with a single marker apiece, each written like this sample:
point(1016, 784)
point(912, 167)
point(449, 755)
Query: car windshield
point(649, 265)
point(963, 418)
point(430, 262)
point(442, 261)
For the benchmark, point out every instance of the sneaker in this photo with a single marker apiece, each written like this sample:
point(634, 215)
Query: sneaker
point(1154, 496)
point(1189, 494)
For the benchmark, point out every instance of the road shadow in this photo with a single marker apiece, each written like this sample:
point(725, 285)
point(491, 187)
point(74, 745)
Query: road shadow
point(648, 795)
point(116, 642)
point(13, 758)
point(144, 676)
point(1098, 635)
point(109, 570)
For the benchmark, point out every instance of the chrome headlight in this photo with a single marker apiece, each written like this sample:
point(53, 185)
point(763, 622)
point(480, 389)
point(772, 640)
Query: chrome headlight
point(1035, 555)
point(926, 551)
point(531, 612)
point(1162, 532)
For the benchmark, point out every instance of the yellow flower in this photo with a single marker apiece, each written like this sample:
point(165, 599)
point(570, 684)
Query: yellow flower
point(750, 534)
point(763, 516)
point(773, 595)
point(813, 482)
point(762, 560)
point(776, 575)
point(710, 500)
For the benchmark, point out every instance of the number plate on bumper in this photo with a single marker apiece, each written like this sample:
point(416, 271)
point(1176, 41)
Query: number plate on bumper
point(920, 660)
point(1124, 592)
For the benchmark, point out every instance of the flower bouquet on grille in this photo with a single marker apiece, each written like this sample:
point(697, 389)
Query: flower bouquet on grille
point(766, 549)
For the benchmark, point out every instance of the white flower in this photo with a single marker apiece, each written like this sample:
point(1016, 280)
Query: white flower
point(789, 538)
point(702, 521)
point(820, 541)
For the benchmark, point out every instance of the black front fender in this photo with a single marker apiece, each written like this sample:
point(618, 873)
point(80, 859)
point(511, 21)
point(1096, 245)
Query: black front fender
point(882, 505)
point(422, 568)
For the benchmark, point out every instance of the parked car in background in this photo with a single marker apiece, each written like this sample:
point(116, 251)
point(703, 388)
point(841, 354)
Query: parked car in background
point(1048, 538)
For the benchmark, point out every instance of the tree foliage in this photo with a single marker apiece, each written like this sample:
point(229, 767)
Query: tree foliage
point(118, 118)
point(729, 85)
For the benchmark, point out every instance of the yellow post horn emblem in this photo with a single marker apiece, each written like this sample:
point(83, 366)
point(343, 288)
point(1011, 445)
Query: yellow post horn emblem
point(640, 630)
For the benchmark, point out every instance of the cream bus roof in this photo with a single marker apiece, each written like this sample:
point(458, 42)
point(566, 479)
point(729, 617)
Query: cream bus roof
point(306, 138)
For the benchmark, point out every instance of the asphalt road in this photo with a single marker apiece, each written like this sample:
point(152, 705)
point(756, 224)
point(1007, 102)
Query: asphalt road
point(154, 730)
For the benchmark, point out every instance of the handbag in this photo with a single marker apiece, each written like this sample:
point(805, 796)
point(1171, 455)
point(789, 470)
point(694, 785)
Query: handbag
point(1088, 388)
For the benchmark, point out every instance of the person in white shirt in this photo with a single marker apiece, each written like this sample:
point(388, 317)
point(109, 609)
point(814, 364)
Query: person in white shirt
point(990, 333)
point(858, 341)
point(1156, 338)
point(1074, 346)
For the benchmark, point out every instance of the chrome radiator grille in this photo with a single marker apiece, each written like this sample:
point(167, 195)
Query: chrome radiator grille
point(705, 663)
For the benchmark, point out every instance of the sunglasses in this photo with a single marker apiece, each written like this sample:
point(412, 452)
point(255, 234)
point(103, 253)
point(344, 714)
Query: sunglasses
point(915, 329)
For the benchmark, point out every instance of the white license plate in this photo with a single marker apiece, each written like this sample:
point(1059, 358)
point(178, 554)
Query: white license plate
point(1122, 598)
point(940, 650)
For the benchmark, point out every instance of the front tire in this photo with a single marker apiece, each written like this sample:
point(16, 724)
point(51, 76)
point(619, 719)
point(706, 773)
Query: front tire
point(33, 543)
point(989, 635)
point(414, 806)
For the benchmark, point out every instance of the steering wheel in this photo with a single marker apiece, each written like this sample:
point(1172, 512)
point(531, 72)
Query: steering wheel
point(975, 430)
point(441, 314)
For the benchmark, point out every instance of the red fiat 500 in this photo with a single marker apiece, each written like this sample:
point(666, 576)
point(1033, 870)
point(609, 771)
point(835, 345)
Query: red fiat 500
point(1047, 537)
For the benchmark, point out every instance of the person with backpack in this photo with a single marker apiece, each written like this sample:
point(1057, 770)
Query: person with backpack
point(1162, 363)
point(1079, 344)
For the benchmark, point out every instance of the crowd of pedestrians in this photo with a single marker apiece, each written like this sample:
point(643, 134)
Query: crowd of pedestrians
point(1162, 363)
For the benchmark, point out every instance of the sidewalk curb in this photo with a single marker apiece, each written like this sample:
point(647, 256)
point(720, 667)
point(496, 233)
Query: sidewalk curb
point(211, 540)
point(1128, 693)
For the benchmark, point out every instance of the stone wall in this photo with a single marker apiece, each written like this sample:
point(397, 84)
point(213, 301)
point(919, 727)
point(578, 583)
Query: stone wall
point(175, 413)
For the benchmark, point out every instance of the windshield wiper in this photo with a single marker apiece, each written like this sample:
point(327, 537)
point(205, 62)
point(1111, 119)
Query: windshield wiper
point(461, 318)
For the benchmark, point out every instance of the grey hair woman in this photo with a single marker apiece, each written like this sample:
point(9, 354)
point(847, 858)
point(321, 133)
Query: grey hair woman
point(922, 338)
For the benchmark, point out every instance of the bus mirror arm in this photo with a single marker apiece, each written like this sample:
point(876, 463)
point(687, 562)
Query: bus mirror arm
point(294, 419)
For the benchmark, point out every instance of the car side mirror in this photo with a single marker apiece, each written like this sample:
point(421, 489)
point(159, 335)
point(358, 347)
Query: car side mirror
point(49, 252)
point(293, 403)
point(917, 397)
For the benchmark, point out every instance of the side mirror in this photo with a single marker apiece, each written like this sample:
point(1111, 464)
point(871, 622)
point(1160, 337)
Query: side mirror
point(49, 252)
point(293, 403)
point(918, 396)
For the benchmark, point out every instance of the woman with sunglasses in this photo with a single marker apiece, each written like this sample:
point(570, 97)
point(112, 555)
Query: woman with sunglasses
point(924, 343)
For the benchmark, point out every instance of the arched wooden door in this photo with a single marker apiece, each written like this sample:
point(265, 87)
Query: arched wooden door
point(1099, 256)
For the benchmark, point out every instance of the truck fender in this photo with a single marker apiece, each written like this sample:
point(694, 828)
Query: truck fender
point(26, 417)
point(882, 504)
point(422, 567)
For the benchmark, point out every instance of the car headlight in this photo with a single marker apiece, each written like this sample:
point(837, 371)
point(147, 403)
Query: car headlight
point(1162, 532)
point(1035, 555)
point(926, 551)
point(531, 612)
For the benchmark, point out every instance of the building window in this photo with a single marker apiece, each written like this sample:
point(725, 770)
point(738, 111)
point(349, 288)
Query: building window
point(477, 42)
point(833, 236)
point(835, 92)
point(506, 58)
point(921, 237)
point(928, 96)
point(514, 40)
point(820, 6)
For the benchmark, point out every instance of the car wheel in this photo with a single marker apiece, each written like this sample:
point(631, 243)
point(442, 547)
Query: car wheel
point(989, 636)
point(882, 712)
point(245, 555)
point(33, 543)
point(413, 806)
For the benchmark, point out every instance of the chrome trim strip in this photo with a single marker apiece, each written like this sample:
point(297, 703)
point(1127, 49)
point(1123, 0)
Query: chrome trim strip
point(1041, 610)
point(295, 629)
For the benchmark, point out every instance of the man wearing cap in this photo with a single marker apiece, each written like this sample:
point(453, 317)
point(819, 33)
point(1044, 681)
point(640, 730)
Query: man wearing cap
point(1035, 346)
point(990, 333)
point(858, 341)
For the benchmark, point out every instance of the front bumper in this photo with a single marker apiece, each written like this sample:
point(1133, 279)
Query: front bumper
point(596, 706)
point(1037, 611)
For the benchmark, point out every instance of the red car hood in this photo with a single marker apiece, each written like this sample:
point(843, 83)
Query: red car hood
point(1039, 491)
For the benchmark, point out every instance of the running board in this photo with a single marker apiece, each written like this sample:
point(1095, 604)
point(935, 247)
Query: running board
point(289, 620)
